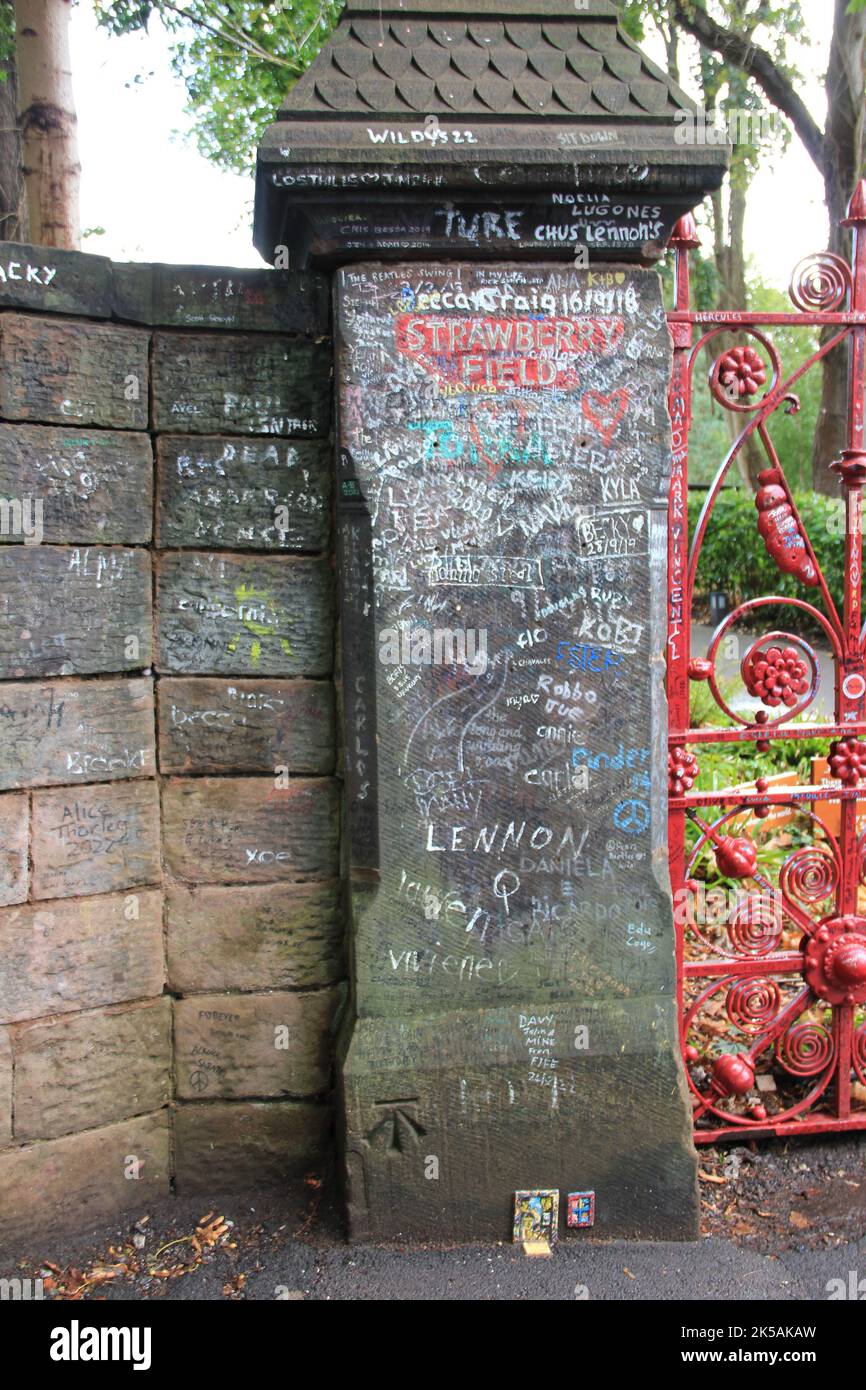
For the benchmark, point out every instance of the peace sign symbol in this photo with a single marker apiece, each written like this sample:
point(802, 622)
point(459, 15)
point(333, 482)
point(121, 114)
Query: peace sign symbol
point(631, 816)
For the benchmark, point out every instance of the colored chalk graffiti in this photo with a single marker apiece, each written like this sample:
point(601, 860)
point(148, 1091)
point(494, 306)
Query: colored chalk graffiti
point(497, 476)
point(259, 618)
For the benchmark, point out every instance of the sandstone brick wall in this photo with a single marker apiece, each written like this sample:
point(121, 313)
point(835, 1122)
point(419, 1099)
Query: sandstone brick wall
point(171, 936)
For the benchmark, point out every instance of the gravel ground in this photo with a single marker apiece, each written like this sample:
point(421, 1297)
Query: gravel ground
point(781, 1195)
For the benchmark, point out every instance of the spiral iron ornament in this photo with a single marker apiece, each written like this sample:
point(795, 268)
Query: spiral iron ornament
point(806, 1049)
point(753, 1003)
point(755, 927)
point(810, 875)
point(820, 283)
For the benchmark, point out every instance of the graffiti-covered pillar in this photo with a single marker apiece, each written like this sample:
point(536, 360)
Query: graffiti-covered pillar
point(503, 459)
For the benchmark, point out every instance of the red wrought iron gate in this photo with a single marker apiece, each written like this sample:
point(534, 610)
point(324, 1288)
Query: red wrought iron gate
point(768, 879)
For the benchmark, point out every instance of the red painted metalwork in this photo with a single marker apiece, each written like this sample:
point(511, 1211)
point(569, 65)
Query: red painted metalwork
point(770, 890)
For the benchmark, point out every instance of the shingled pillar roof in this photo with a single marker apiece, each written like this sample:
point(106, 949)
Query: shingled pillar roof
point(477, 103)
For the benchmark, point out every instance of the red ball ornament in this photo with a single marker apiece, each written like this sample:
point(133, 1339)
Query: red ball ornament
point(733, 1075)
point(736, 858)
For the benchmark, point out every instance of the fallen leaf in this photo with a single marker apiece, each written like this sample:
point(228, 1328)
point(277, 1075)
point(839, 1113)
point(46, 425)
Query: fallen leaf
point(797, 1219)
point(710, 1177)
point(209, 1231)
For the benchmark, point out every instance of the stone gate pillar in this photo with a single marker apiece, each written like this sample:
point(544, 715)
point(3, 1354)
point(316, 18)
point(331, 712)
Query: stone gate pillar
point(491, 189)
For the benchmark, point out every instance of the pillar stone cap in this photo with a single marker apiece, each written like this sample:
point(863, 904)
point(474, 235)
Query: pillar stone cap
point(412, 110)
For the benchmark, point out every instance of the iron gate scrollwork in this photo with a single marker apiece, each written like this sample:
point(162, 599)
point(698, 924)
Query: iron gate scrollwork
point(768, 877)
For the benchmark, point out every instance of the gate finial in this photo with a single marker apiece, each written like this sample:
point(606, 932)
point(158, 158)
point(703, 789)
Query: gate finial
point(685, 233)
point(857, 207)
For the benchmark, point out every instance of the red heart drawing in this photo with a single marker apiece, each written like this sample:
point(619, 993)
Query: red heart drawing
point(605, 412)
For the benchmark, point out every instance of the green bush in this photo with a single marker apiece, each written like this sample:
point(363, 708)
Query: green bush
point(793, 433)
point(733, 559)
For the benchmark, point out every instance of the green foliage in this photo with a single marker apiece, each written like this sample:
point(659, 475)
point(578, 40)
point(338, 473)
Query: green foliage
point(724, 87)
point(638, 15)
point(7, 37)
point(704, 280)
point(792, 433)
point(703, 710)
point(731, 764)
point(734, 764)
point(733, 559)
point(237, 60)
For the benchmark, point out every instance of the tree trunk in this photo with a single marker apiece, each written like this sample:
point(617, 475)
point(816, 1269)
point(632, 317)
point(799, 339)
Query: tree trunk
point(730, 256)
point(13, 204)
point(671, 38)
point(844, 151)
point(48, 123)
point(733, 293)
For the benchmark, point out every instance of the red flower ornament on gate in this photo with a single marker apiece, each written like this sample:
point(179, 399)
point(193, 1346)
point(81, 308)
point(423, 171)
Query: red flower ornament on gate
point(682, 771)
point(741, 373)
point(777, 676)
point(848, 761)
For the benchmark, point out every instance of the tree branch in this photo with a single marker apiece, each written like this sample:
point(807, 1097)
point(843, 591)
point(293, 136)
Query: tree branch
point(757, 64)
point(316, 22)
point(244, 41)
